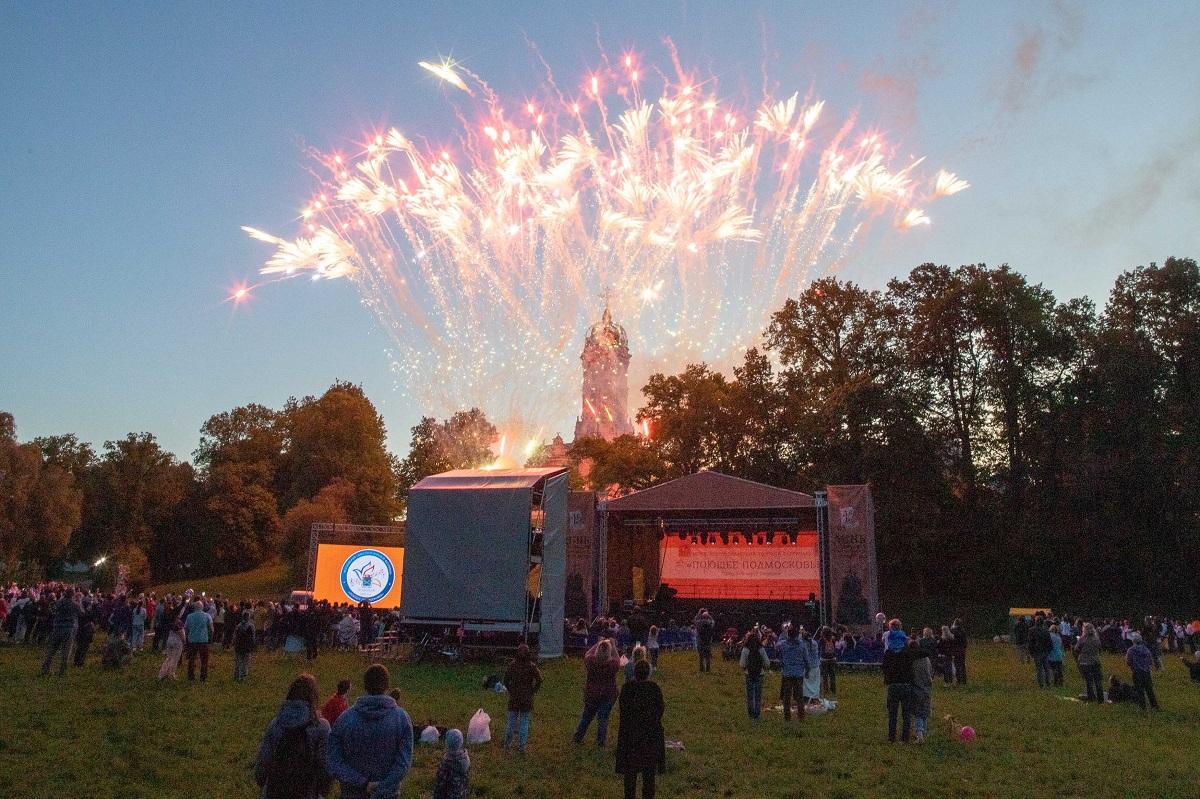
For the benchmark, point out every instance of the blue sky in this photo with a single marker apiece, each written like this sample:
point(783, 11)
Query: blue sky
point(136, 138)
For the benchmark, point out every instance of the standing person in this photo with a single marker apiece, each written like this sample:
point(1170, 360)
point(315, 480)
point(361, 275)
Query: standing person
point(639, 627)
point(86, 632)
point(1021, 638)
point(829, 660)
point(162, 624)
point(366, 622)
point(959, 653)
point(1087, 656)
point(754, 662)
point(897, 670)
point(945, 655)
point(198, 627)
point(522, 678)
point(337, 704)
point(1140, 662)
point(453, 778)
point(173, 651)
point(65, 619)
point(652, 645)
point(243, 647)
point(137, 627)
point(291, 759)
point(794, 656)
point(641, 748)
point(601, 665)
point(706, 628)
point(638, 653)
point(1055, 659)
point(1039, 652)
point(371, 746)
point(922, 686)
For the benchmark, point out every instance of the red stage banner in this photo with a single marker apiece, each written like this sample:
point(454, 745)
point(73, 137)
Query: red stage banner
point(853, 573)
point(581, 548)
point(742, 567)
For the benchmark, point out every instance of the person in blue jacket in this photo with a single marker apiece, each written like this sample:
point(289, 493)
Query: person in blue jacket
point(371, 745)
point(796, 657)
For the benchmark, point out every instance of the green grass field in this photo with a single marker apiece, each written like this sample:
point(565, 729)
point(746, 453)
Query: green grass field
point(101, 734)
point(266, 582)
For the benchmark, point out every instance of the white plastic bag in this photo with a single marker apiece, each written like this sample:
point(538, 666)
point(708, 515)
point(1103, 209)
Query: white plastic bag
point(429, 735)
point(479, 731)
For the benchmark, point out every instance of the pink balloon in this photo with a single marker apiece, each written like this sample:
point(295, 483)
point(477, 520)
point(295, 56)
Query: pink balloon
point(967, 734)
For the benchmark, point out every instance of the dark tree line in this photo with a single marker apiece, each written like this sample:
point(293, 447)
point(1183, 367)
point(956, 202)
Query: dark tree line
point(259, 478)
point(1020, 448)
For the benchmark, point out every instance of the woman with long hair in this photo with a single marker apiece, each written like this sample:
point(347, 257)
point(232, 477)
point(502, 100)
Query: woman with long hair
point(601, 665)
point(1087, 657)
point(291, 759)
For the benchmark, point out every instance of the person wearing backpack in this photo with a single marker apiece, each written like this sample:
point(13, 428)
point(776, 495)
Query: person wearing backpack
point(754, 662)
point(243, 647)
point(371, 746)
point(291, 759)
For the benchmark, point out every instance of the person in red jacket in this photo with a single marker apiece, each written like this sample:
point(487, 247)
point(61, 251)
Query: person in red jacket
point(336, 705)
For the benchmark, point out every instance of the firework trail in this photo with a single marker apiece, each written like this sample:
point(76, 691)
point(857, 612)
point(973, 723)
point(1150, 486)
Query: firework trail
point(485, 259)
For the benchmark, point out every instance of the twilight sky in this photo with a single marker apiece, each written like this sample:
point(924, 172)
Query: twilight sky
point(136, 138)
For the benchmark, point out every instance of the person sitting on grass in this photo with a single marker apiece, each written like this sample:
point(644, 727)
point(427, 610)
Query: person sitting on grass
point(117, 652)
point(337, 704)
point(453, 780)
point(1193, 666)
point(291, 758)
point(371, 746)
point(639, 653)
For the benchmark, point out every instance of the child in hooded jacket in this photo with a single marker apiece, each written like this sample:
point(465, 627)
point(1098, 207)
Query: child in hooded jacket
point(453, 779)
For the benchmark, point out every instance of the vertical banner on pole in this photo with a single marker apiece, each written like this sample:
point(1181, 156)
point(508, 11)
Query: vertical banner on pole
point(853, 571)
point(581, 566)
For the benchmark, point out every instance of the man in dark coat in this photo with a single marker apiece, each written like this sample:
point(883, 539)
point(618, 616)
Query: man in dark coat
point(641, 748)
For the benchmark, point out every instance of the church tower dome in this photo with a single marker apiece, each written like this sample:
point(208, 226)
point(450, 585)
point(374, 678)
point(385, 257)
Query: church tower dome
point(605, 407)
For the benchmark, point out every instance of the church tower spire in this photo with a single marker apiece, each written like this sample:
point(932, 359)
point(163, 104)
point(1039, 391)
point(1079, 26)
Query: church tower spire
point(605, 408)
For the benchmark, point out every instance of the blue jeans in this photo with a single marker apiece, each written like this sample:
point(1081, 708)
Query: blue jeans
point(754, 686)
point(597, 709)
point(518, 721)
point(1041, 667)
point(137, 637)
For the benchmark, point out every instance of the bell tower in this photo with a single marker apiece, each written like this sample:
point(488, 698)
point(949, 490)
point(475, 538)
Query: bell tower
point(605, 410)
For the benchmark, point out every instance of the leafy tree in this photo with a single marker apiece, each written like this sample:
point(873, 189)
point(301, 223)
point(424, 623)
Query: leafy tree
point(461, 442)
point(627, 463)
point(39, 503)
point(339, 435)
point(331, 505)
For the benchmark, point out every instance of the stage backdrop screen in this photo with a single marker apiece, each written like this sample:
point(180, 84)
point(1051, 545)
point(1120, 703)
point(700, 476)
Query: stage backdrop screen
point(347, 573)
point(738, 569)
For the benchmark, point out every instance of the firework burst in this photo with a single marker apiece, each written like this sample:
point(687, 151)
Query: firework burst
point(485, 258)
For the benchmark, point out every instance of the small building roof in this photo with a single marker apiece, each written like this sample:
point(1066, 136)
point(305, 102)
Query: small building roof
point(486, 479)
point(706, 490)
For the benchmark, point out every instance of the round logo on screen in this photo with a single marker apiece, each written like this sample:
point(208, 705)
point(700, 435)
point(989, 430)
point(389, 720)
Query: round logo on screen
point(367, 574)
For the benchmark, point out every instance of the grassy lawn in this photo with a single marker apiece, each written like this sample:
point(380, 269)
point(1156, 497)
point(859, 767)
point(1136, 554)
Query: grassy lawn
point(99, 734)
point(266, 582)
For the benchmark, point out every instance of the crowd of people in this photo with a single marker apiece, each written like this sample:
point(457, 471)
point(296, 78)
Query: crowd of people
point(367, 746)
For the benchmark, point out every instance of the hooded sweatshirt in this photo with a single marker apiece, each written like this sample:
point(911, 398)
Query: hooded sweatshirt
point(453, 779)
point(794, 654)
point(295, 713)
point(371, 742)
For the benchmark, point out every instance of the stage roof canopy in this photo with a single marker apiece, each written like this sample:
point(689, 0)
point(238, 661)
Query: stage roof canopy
point(705, 491)
point(482, 479)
